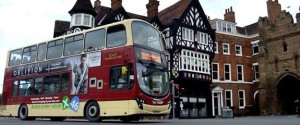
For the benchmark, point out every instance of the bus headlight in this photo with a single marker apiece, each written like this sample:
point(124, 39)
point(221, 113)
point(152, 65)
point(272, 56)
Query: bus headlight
point(140, 102)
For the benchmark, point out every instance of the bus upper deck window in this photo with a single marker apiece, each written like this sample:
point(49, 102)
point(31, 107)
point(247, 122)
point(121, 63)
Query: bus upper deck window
point(116, 36)
point(15, 57)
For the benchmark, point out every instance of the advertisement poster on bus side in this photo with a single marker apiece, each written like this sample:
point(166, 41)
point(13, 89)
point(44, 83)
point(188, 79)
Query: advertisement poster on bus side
point(91, 60)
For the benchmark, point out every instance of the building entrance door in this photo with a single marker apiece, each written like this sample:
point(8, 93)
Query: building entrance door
point(217, 100)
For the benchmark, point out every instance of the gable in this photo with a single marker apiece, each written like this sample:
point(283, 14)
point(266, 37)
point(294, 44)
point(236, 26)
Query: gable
point(195, 16)
point(114, 16)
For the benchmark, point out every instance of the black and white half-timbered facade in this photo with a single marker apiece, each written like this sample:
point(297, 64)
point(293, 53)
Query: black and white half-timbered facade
point(190, 41)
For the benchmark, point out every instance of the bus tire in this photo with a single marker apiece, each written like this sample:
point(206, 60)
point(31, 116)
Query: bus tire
point(23, 113)
point(92, 112)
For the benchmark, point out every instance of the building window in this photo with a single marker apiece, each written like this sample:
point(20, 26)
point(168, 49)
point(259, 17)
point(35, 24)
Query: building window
point(187, 34)
point(240, 72)
point(216, 47)
point(238, 50)
point(225, 26)
point(215, 72)
point(284, 47)
point(255, 47)
point(228, 97)
point(86, 20)
point(194, 61)
point(202, 38)
point(242, 100)
point(256, 71)
point(78, 19)
point(227, 71)
point(226, 49)
point(296, 61)
point(82, 19)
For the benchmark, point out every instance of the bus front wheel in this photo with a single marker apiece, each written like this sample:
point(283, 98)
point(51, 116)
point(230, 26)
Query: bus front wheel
point(23, 113)
point(92, 112)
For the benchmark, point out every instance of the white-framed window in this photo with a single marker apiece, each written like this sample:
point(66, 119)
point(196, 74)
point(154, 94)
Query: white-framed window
point(227, 72)
point(226, 49)
point(255, 71)
point(82, 19)
point(240, 72)
point(187, 34)
point(225, 26)
point(216, 47)
point(202, 38)
point(238, 50)
point(242, 100)
point(194, 61)
point(228, 98)
point(215, 71)
point(255, 47)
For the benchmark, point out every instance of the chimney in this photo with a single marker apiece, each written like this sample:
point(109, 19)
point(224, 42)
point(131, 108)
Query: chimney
point(229, 15)
point(116, 4)
point(274, 8)
point(97, 6)
point(152, 8)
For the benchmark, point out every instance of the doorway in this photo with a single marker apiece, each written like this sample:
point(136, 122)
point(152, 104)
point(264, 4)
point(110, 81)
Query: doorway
point(288, 94)
point(217, 100)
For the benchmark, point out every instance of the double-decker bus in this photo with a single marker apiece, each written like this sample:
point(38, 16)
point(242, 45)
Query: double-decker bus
point(117, 70)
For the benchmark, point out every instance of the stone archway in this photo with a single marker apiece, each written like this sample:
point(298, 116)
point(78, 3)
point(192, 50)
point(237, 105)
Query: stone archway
point(288, 91)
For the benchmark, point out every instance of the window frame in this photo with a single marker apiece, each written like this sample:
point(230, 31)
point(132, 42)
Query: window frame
point(73, 41)
point(187, 34)
point(116, 29)
point(102, 44)
point(228, 99)
point(228, 49)
point(254, 45)
point(256, 73)
point(195, 61)
point(216, 48)
point(217, 71)
point(55, 45)
point(238, 50)
point(229, 72)
point(242, 72)
point(111, 77)
point(243, 99)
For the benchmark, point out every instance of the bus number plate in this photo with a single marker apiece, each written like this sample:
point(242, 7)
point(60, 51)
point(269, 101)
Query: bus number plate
point(155, 112)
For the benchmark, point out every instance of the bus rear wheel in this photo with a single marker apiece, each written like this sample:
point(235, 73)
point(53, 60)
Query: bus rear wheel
point(23, 113)
point(92, 112)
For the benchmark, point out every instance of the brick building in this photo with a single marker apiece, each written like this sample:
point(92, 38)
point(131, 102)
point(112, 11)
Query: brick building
point(256, 67)
point(232, 67)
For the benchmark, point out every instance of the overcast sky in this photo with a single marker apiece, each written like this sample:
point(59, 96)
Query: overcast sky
point(25, 22)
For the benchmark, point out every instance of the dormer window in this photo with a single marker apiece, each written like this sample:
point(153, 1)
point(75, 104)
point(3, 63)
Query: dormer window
point(82, 19)
point(224, 26)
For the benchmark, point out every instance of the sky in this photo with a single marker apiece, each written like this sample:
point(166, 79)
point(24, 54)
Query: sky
point(26, 22)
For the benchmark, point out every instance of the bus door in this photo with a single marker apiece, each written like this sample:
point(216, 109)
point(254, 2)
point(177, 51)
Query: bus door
point(119, 88)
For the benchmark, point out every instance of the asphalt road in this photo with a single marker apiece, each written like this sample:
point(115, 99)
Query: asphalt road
point(262, 120)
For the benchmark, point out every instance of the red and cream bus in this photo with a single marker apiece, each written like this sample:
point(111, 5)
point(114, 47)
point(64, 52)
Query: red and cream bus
point(114, 71)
